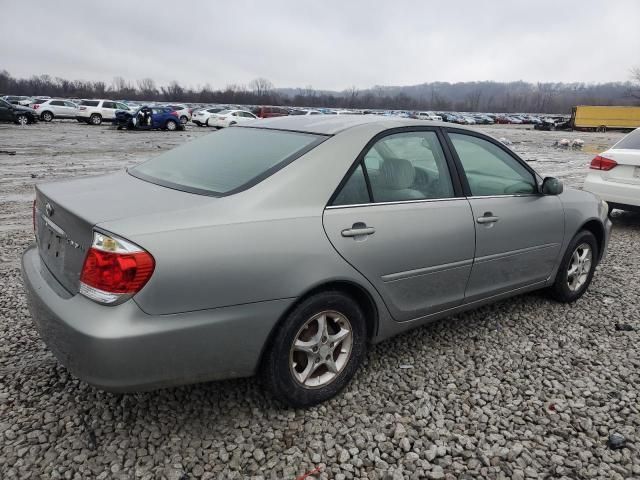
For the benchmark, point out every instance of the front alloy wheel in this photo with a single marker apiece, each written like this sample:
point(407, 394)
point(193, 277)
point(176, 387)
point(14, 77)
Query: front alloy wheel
point(316, 349)
point(22, 120)
point(577, 268)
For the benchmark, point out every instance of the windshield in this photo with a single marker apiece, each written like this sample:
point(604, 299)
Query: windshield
point(227, 161)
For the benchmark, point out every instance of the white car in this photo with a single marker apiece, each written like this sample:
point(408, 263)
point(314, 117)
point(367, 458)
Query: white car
point(57, 108)
point(94, 112)
point(226, 118)
point(428, 116)
point(184, 112)
point(614, 175)
point(19, 100)
point(201, 116)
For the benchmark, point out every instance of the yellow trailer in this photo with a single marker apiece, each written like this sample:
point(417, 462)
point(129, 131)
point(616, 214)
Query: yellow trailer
point(601, 118)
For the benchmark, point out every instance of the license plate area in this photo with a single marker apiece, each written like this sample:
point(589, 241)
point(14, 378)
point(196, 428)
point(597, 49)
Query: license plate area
point(52, 243)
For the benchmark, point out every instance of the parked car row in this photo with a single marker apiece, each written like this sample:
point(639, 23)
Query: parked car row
point(97, 111)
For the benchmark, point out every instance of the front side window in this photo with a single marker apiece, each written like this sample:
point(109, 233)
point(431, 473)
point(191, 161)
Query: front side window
point(489, 169)
point(90, 103)
point(232, 159)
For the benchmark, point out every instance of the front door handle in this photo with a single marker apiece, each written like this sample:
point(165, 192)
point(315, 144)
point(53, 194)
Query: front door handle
point(488, 217)
point(358, 229)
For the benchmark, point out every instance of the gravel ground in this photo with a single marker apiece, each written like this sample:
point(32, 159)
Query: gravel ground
point(526, 388)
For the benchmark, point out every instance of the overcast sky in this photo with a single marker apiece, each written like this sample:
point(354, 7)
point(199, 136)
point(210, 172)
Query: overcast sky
point(325, 43)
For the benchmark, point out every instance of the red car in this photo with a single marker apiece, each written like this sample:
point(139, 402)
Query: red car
point(268, 112)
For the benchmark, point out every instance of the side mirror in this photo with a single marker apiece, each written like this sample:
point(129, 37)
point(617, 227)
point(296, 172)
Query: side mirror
point(552, 186)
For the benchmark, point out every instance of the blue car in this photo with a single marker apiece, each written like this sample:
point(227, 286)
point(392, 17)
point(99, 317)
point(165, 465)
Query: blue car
point(148, 118)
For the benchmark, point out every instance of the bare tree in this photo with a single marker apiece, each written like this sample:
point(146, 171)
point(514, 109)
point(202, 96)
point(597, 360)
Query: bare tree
point(261, 87)
point(351, 95)
point(173, 92)
point(634, 91)
point(147, 87)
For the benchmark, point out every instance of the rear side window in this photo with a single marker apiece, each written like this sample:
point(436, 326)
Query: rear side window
point(630, 142)
point(227, 161)
point(400, 167)
point(108, 105)
point(89, 103)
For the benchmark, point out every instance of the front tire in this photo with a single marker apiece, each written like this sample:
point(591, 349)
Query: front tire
point(577, 268)
point(316, 350)
point(22, 120)
point(171, 125)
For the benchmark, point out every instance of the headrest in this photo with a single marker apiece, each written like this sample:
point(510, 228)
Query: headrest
point(397, 173)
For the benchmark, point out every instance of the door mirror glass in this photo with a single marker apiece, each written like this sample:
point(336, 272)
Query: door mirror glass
point(552, 186)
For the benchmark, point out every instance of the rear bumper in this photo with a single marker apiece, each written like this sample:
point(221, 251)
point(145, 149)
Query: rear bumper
point(613, 192)
point(121, 348)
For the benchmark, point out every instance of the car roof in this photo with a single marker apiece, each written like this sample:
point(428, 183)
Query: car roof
point(333, 124)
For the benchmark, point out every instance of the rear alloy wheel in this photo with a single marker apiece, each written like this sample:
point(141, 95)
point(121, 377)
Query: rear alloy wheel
point(577, 268)
point(47, 116)
point(22, 120)
point(316, 351)
point(171, 125)
point(183, 120)
point(95, 119)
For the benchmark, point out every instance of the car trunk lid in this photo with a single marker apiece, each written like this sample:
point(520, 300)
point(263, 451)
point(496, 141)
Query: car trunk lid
point(66, 213)
point(628, 169)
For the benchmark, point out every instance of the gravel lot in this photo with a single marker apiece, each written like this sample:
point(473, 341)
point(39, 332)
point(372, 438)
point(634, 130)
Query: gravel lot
point(526, 388)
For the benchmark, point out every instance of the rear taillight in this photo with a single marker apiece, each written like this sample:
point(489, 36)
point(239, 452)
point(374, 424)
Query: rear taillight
point(602, 163)
point(114, 269)
point(36, 106)
point(82, 108)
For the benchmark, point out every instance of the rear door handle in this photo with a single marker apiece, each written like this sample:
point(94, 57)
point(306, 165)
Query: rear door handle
point(357, 230)
point(487, 218)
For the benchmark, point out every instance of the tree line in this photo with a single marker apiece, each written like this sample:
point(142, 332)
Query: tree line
point(487, 96)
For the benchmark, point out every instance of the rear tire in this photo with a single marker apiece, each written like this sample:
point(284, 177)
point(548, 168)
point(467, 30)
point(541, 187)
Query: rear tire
point(333, 350)
point(46, 116)
point(22, 120)
point(575, 273)
point(183, 120)
point(95, 119)
point(171, 125)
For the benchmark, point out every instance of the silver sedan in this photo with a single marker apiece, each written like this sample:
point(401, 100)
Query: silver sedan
point(285, 246)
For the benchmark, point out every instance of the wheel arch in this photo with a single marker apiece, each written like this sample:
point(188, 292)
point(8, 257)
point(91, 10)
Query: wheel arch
point(356, 291)
point(597, 229)
point(47, 111)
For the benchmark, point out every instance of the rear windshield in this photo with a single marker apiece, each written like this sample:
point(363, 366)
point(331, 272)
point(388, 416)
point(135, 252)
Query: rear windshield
point(631, 141)
point(90, 103)
point(227, 161)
